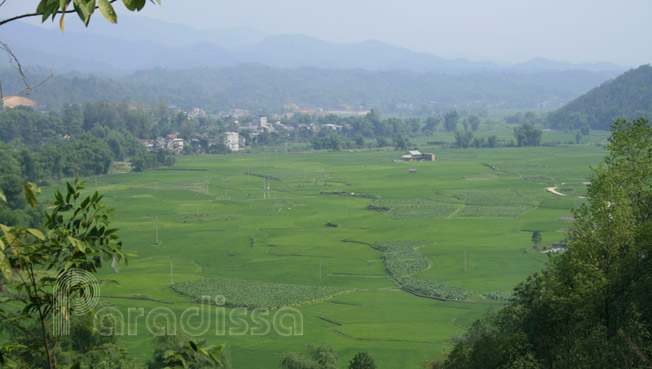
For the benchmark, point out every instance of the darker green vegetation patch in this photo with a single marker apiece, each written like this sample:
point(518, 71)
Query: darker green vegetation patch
point(255, 295)
point(413, 208)
point(402, 259)
point(346, 193)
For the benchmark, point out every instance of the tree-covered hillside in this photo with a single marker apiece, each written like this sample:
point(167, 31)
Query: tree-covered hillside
point(269, 89)
point(628, 96)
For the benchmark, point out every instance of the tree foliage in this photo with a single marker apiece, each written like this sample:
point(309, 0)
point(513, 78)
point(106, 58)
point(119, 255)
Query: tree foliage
point(76, 234)
point(590, 307)
point(51, 9)
point(527, 135)
point(463, 139)
point(362, 360)
point(450, 120)
point(319, 356)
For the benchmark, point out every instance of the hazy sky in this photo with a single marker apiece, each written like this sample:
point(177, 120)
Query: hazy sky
point(498, 30)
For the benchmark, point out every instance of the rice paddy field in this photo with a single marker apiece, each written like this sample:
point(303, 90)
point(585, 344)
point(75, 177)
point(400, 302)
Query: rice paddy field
point(334, 235)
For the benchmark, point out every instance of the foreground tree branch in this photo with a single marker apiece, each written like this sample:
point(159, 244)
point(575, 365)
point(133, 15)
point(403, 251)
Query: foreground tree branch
point(84, 9)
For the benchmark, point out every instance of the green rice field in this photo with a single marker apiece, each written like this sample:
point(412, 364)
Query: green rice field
point(335, 236)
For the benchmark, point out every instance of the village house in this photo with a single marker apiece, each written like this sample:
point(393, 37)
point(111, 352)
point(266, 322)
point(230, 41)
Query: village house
point(175, 145)
point(415, 155)
point(196, 113)
point(232, 140)
point(332, 127)
point(260, 121)
point(149, 144)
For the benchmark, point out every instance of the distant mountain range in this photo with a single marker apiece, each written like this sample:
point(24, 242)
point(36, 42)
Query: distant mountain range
point(144, 60)
point(142, 43)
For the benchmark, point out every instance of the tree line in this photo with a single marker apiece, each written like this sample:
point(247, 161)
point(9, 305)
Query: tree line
point(79, 141)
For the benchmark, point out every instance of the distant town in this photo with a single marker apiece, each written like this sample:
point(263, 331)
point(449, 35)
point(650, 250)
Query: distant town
point(243, 121)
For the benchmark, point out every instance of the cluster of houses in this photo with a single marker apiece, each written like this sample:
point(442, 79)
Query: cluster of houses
point(259, 124)
point(170, 142)
point(173, 143)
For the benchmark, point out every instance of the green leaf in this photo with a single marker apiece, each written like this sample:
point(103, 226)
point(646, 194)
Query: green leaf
point(36, 233)
point(77, 243)
point(5, 267)
point(134, 4)
point(8, 235)
point(90, 9)
point(2, 245)
point(84, 9)
point(41, 6)
point(2, 196)
point(70, 189)
point(107, 11)
point(49, 8)
point(29, 195)
point(79, 11)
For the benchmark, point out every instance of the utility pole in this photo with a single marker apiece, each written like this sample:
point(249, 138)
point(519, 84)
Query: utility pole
point(171, 275)
point(264, 185)
point(464, 179)
point(226, 189)
point(156, 225)
point(196, 206)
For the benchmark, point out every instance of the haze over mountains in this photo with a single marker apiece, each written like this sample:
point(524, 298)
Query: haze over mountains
point(221, 69)
point(117, 50)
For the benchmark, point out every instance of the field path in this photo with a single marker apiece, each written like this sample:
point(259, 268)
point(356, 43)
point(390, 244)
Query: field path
point(453, 214)
point(554, 190)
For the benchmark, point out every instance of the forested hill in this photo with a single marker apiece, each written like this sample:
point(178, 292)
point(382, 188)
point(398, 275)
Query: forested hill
point(263, 88)
point(629, 96)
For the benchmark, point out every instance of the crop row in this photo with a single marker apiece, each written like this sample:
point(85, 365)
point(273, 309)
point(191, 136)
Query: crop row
point(415, 208)
point(255, 295)
point(401, 261)
point(492, 196)
point(493, 211)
